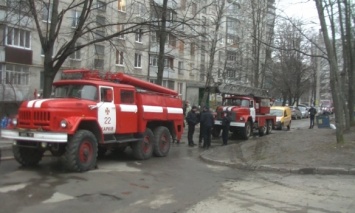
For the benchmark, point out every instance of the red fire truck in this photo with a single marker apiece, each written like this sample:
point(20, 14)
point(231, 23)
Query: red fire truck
point(248, 109)
point(87, 116)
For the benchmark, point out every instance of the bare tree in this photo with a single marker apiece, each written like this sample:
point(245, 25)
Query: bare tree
point(335, 81)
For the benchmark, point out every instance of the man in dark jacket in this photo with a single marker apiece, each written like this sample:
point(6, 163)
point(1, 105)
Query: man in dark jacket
point(191, 120)
point(207, 122)
point(312, 112)
point(225, 127)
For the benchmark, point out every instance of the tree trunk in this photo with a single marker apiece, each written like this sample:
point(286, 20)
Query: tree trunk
point(162, 41)
point(334, 76)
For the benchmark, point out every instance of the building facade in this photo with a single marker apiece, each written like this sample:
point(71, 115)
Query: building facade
point(189, 59)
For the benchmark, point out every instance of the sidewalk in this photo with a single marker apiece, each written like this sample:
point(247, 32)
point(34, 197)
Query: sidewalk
point(300, 151)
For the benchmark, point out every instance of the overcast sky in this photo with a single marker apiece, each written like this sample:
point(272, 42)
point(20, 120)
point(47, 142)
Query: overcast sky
point(303, 9)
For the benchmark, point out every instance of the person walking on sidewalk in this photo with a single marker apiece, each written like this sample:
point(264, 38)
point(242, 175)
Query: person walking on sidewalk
point(191, 120)
point(312, 112)
point(225, 127)
point(207, 122)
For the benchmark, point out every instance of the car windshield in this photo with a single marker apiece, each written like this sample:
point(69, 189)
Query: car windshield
point(276, 112)
point(76, 91)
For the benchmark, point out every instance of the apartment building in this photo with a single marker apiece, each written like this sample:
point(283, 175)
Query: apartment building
point(191, 30)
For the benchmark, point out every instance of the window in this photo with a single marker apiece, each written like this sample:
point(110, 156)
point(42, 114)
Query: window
point(181, 67)
point(169, 63)
point(192, 50)
point(172, 40)
point(18, 38)
point(231, 73)
point(122, 5)
point(153, 60)
point(99, 33)
point(75, 20)
point(106, 94)
point(171, 16)
point(46, 12)
point(100, 5)
point(194, 8)
point(183, 4)
point(99, 50)
point(120, 28)
point(127, 97)
point(100, 20)
point(169, 84)
point(99, 63)
point(119, 57)
point(14, 74)
point(139, 9)
point(137, 60)
point(231, 56)
point(77, 54)
point(232, 39)
point(139, 35)
point(180, 88)
point(181, 46)
point(221, 39)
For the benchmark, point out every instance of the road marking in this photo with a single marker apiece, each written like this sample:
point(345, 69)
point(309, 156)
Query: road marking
point(58, 197)
point(12, 188)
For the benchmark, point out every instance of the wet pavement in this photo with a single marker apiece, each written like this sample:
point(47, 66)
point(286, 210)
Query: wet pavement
point(300, 150)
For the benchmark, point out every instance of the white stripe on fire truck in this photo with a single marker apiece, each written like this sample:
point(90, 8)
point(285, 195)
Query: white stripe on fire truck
point(174, 110)
point(30, 103)
point(156, 109)
point(128, 108)
point(36, 103)
point(39, 103)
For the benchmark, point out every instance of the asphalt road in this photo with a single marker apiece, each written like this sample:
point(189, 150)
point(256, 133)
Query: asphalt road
point(180, 182)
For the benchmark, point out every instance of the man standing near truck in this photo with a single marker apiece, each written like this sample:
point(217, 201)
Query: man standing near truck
point(206, 122)
point(191, 120)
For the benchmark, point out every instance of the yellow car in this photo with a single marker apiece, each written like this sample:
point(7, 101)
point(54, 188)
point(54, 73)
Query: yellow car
point(283, 116)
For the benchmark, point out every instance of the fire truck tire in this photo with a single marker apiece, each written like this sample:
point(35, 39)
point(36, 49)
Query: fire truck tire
point(143, 149)
point(269, 127)
point(162, 141)
point(27, 156)
point(81, 152)
point(246, 131)
point(263, 130)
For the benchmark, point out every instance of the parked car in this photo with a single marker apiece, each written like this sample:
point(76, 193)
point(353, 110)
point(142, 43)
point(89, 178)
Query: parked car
point(296, 112)
point(283, 116)
point(304, 111)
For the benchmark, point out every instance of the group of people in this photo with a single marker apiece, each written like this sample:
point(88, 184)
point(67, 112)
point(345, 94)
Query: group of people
point(206, 120)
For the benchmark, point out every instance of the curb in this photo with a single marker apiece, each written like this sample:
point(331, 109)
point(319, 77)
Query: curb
point(276, 169)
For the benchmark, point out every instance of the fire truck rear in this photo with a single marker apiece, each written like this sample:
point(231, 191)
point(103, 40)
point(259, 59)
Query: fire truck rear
point(248, 109)
point(87, 117)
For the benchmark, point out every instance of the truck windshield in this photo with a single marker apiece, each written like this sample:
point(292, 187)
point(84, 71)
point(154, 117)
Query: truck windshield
point(236, 102)
point(276, 112)
point(76, 91)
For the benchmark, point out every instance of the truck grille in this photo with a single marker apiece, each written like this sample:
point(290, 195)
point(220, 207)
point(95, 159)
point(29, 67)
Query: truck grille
point(34, 118)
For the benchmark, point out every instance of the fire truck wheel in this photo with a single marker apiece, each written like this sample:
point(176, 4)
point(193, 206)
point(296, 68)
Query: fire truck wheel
point(162, 141)
point(143, 149)
point(246, 131)
point(81, 152)
point(27, 156)
point(263, 130)
point(269, 127)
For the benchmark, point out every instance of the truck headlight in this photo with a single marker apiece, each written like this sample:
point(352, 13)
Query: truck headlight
point(63, 123)
point(14, 121)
